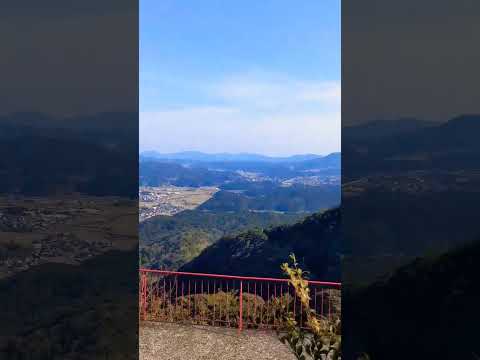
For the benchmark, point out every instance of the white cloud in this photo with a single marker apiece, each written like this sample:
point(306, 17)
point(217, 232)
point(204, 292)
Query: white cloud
point(270, 115)
point(277, 91)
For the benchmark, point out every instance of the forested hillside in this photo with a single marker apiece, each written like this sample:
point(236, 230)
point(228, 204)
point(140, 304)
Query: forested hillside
point(171, 241)
point(296, 198)
point(60, 311)
point(433, 304)
point(155, 173)
point(315, 241)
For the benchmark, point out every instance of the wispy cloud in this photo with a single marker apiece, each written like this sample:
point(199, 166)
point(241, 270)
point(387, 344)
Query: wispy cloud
point(269, 114)
point(277, 91)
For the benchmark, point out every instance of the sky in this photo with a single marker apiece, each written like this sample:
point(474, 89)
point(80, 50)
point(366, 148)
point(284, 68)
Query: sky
point(240, 76)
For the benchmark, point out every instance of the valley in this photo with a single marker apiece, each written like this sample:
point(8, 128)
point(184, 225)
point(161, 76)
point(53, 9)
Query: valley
point(170, 200)
point(190, 201)
point(237, 171)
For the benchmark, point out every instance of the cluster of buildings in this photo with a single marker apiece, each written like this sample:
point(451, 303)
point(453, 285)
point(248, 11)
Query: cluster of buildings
point(312, 180)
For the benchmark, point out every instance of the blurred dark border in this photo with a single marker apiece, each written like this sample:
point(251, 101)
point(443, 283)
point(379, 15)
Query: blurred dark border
point(410, 179)
point(69, 184)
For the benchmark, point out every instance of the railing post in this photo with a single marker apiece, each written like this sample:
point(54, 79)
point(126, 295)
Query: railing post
point(143, 290)
point(240, 321)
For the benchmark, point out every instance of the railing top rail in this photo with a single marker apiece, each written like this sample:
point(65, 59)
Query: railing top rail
point(233, 277)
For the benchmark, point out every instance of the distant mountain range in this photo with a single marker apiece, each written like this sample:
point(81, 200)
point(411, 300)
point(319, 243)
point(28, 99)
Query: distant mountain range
point(224, 157)
point(199, 169)
point(87, 154)
point(381, 128)
point(411, 145)
point(108, 128)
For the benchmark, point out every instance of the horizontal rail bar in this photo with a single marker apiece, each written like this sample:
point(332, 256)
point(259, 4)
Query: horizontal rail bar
point(233, 277)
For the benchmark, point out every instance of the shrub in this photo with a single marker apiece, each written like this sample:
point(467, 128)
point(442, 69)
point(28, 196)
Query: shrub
point(221, 307)
point(323, 338)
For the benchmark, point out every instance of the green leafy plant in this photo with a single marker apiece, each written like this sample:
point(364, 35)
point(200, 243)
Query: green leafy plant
point(322, 339)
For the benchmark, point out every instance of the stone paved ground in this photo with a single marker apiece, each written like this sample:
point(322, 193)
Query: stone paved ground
point(164, 341)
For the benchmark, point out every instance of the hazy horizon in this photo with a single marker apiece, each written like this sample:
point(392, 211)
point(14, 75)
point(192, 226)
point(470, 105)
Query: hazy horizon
point(262, 78)
point(237, 153)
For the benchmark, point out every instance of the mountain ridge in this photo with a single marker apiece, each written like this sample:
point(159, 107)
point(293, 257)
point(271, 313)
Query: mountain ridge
point(219, 157)
point(314, 240)
point(451, 145)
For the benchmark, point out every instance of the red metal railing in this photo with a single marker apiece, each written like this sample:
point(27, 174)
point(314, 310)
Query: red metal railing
point(234, 301)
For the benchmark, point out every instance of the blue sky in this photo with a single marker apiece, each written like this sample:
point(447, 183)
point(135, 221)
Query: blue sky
point(240, 76)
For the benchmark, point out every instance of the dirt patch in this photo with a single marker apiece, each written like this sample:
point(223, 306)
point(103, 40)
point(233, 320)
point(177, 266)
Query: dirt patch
point(166, 341)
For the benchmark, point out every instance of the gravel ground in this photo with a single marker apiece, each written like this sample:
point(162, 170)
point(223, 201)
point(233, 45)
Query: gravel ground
point(164, 341)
